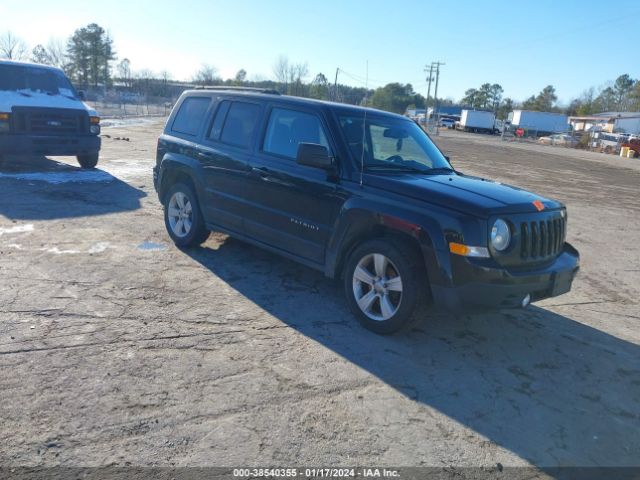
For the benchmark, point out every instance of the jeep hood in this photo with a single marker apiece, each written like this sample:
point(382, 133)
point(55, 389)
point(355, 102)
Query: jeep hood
point(10, 99)
point(467, 194)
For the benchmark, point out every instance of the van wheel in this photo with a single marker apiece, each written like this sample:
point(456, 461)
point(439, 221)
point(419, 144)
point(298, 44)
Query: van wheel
point(384, 287)
point(182, 217)
point(88, 161)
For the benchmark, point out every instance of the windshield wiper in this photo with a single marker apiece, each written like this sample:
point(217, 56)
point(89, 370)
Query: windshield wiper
point(394, 168)
point(404, 168)
point(441, 170)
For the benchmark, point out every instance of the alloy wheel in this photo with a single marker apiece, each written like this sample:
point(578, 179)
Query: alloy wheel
point(180, 214)
point(377, 287)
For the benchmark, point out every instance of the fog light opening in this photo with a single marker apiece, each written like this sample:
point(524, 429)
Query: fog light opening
point(526, 300)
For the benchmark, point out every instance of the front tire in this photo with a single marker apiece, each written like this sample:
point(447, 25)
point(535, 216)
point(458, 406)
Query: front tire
point(384, 285)
point(182, 217)
point(88, 161)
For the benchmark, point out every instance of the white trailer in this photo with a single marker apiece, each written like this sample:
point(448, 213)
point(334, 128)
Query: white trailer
point(543, 123)
point(477, 121)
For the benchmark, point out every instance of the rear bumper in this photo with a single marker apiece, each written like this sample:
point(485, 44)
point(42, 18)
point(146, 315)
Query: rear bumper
point(28, 144)
point(491, 288)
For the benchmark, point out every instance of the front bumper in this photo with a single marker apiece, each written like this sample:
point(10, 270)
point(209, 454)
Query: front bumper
point(30, 144)
point(481, 287)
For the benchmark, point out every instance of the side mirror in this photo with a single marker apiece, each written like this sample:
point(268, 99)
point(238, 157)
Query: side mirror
point(82, 95)
point(314, 155)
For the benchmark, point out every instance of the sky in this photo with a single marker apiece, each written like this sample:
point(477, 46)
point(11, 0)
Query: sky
point(523, 46)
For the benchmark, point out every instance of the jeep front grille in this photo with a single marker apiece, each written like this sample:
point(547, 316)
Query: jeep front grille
point(542, 239)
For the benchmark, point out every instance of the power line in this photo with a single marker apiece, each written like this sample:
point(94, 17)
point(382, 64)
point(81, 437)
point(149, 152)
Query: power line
point(433, 68)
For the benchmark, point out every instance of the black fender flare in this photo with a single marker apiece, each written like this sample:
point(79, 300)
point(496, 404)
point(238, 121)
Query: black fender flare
point(360, 218)
point(173, 163)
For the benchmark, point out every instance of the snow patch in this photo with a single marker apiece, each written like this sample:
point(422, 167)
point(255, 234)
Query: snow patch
point(127, 122)
point(16, 229)
point(79, 176)
point(127, 168)
point(14, 245)
point(99, 247)
point(57, 251)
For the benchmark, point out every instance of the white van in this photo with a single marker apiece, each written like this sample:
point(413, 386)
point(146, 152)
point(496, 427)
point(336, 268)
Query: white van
point(42, 114)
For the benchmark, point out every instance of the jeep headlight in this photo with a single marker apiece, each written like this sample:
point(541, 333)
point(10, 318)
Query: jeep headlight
point(500, 235)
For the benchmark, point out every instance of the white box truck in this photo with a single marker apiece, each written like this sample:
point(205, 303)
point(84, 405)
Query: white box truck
point(539, 123)
point(477, 121)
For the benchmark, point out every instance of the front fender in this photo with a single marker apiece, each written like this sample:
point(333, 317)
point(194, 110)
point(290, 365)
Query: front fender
point(361, 217)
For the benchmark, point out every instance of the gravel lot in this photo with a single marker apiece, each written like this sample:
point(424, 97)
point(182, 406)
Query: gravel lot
point(116, 348)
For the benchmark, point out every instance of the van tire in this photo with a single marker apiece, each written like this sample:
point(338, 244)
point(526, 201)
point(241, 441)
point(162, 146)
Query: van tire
point(88, 161)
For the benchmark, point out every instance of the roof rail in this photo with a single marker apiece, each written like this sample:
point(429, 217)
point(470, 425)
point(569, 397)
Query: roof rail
point(239, 89)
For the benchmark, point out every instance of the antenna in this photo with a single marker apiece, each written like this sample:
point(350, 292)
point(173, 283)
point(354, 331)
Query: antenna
point(364, 124)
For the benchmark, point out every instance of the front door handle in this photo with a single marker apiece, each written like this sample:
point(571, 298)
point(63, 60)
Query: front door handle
point(204, 155)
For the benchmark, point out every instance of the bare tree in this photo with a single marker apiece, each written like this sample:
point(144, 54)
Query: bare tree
point(297, 74)
point(57, 53)
point(124, 71)
point(281, 71)
point(165, 76)
point(12, 47)
point(207, 75)
point(290, 75)
point(53, 54)
point(144, 78)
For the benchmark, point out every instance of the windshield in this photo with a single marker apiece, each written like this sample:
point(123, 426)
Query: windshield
point(391, 144)
point(18, 78)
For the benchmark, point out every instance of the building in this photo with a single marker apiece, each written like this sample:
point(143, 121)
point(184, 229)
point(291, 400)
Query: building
point(612, 122)
point(414, 112)
point(452, 110)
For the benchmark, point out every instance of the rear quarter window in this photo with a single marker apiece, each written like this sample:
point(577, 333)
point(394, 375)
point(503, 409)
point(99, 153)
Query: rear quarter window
point(190, 116)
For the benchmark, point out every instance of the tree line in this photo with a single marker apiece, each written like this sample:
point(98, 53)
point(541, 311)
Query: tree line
point(89, 59)
point(621, 95)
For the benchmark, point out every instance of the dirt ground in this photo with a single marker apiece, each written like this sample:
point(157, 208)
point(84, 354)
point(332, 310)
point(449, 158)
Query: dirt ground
point(116, 348)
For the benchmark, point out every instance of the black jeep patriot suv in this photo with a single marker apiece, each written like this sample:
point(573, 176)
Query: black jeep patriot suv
point(362, 195)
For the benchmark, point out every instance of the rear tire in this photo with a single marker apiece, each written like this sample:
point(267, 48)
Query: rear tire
point(88, 161)
point(183, 218)
point(385, 285)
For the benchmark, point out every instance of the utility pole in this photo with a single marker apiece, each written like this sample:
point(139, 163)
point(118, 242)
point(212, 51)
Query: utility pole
point(435, 94)
point(335, 87)
point(426, 106)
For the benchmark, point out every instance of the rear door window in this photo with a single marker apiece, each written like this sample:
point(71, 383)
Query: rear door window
point(221, 114)
point(240, 124)
point(190, 116)
point(288, 128)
